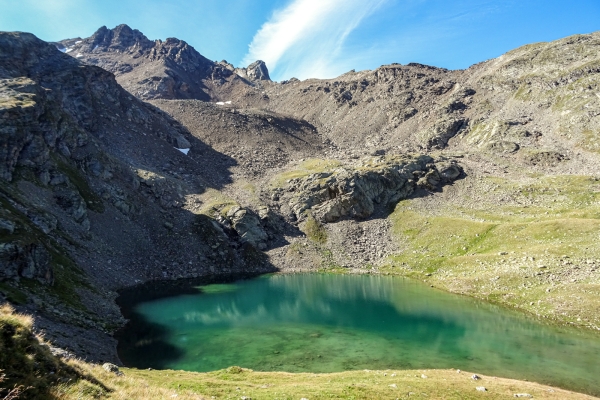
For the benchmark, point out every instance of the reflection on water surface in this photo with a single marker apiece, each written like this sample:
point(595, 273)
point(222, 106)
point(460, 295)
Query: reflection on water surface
point(328, 323)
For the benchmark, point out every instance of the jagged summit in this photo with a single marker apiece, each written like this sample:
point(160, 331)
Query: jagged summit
point(121, 37)
point(163, 69)
point(257, 71)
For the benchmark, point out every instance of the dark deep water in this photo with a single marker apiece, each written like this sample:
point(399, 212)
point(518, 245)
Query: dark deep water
point(328, 323)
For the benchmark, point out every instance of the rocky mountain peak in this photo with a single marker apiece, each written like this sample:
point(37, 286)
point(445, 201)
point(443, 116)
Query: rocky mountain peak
point(179, 52)
point(257, 71)
point(120, 38)
point(163, 69)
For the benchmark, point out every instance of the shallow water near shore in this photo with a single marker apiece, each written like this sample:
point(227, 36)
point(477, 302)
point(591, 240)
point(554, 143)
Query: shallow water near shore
point(332, 323)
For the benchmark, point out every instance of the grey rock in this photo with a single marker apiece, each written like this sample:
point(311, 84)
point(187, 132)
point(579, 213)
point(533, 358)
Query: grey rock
point(46, 222)
point(62, 353)
point(6, 226)
point(502, 146)
point(375, 183)
point(30, 261)
point(122, 206)
point(248, 226)
point(257, 71)
point(449, 171)
point(95, 167)
point(443, 130)
point(70, 201)
point(112, 368)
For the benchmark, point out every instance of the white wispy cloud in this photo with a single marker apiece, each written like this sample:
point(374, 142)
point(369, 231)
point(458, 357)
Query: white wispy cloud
point(305, 38)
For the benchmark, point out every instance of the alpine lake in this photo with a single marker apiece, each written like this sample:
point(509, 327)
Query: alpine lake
point(330, 323)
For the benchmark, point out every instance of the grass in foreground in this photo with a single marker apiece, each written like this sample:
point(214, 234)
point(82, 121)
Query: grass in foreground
point(30, 368)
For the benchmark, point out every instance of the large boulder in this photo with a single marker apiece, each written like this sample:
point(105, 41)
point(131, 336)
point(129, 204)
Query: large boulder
point(248, 227)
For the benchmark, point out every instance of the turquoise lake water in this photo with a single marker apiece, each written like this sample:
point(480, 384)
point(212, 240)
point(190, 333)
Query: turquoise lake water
point(330, 323)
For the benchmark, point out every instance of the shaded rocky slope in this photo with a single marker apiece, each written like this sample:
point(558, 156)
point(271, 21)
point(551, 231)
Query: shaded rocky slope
point(257, 140)
point(94, 193)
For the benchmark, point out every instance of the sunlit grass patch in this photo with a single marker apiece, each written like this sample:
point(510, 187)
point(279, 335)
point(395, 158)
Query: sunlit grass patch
point(305, 168)
point(215, 201)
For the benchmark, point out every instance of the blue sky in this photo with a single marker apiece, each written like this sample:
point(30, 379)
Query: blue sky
point(319, 38)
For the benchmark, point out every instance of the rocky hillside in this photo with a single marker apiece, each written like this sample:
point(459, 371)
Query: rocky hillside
point(537, 104)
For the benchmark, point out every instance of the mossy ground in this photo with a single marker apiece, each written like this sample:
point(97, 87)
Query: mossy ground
point(215, 202)
point(531, 246)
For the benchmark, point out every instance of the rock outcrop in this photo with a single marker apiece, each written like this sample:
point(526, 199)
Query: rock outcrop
point(375, 183)
point(30, 261)
point(248, 227)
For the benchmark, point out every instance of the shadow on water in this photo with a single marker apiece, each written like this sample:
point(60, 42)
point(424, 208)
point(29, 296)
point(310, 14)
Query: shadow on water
point(140, 340)
point(143, 340)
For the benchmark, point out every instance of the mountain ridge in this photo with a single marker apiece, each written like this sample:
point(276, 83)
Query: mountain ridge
point(172, 68)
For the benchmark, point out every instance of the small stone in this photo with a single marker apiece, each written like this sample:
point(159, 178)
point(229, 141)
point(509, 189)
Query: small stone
point(423, 376)
point(526, 395)
point(475, 377)
point(168, 225)
point(481, 389)
point(112, 368)
point(393, 385)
